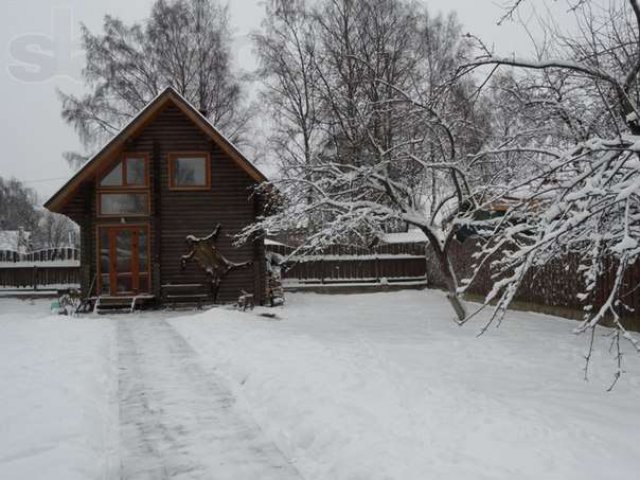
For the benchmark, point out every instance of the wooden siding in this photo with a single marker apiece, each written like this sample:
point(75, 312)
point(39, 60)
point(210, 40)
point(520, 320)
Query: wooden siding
point(176, 214)
point(60, 199)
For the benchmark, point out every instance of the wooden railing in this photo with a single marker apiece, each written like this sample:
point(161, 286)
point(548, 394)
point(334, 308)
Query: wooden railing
point(60, 254)
point(40, 269)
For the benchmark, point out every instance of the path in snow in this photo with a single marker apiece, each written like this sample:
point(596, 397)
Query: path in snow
point(177, 419)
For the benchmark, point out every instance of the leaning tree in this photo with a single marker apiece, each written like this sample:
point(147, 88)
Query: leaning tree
point(583, 197)
point(383, 132)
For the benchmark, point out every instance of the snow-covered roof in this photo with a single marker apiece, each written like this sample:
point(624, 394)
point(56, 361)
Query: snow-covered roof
point(412, 236)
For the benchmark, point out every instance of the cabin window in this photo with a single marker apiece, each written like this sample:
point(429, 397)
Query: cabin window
point(124, 203)
point(113, 178)
point(189, 171)
point(131, 171)
point(136, 174)
point(124, 190)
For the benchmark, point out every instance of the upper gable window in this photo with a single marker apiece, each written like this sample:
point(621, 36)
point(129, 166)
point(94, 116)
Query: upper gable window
point(130, 172)
point(189, 171)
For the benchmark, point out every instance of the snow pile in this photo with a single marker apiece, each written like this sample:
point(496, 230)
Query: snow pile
point(412, 236)
point(55, 382)
point(385, 386)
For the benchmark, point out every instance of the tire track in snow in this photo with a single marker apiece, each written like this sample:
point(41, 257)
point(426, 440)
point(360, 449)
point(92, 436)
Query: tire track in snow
point(177, 419)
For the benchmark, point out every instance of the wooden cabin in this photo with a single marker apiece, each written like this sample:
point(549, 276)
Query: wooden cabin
point(167, 175)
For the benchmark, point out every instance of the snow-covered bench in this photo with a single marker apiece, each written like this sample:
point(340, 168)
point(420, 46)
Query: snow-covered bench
point(186, 293)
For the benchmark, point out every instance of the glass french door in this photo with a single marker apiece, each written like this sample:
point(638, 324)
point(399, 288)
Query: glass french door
point(124, 260)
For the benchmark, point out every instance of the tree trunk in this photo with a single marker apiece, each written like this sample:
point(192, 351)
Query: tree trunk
point(449, 275)
point(452, 283)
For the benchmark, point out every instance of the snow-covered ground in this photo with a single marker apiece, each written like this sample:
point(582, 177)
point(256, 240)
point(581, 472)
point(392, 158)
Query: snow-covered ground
point(378, 386)
point(56, 381)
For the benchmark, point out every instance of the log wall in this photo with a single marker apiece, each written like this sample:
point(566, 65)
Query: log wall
point(176, 214)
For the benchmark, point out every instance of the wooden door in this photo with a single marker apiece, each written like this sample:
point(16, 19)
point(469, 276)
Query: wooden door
point(124, 260)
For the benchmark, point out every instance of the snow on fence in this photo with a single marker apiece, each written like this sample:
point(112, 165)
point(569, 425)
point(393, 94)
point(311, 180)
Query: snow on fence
point(47, 268)
point(552, 288)
point(344, 265)
point(65, 255)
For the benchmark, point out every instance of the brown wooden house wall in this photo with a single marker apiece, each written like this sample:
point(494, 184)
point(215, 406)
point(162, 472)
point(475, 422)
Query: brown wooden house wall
point(80, 209)
point(176, 214)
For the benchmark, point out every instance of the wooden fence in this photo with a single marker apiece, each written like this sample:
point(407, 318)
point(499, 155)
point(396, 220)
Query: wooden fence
point(551, 288)
point(45, 255)
point(39, 277)
point(41, 269)
point(342, 265)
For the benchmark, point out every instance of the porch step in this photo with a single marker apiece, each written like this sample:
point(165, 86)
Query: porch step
point(125, 304)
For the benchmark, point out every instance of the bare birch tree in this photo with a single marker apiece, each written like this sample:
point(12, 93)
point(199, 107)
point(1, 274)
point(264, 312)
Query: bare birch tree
point(54, 231)
point(184, 44)
point(286, 48)
point(17, 203)
point(393, 131)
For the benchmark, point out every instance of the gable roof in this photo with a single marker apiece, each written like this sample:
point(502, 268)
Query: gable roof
point(58, 201)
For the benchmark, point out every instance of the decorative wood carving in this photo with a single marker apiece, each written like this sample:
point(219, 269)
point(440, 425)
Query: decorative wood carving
point(206, 254)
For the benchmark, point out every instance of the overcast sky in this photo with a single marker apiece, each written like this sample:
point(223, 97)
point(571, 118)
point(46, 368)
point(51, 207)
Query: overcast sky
point(33, 135)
